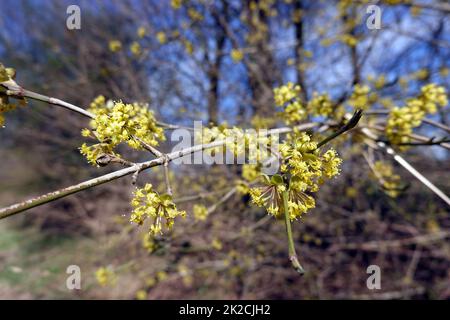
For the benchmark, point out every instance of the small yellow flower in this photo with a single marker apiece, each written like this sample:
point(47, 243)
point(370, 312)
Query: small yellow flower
point(141, 295)
point(195, 15)
point(116, 122)
point(176, 4)
point(348, 39)
point(444, 71)
point(161, 275)
point(320, 104)
point(303, 170)
point(115, 45)
point(85, 132)
point(251, 172)
point(148, 204)
point(237, 55)
point(186, 275)
point(351, 192)
point(135, 48)
point(200, 212)
point(421, 74)
point(286, 93)
point(7, 74)
point(150, 282)
point(105, 276)
point(216, 244)
point(161, 37)
point(360, 97)
point(148, 242)
point(141, 32)
point(288, 98)
point(402, 121)
point(188, 47)
point(391, 182)
point(380, 82)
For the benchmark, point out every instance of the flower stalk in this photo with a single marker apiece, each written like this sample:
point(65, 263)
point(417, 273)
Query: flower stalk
point(292, 253)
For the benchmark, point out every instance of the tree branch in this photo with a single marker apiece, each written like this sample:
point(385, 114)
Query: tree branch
point(34, 202)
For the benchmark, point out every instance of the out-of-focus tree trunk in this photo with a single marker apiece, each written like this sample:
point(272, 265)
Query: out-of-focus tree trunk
point(299, 48)
point(262, 71)
point(214, 74)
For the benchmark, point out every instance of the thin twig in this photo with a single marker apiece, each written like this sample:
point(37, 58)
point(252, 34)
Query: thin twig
point(15, 90)
point(437, 124)
point(166, 175)
point(228, 195)
point(406, 165)
point(348, 126)
point(148, 147)
point(40, 200)
point(414, 172)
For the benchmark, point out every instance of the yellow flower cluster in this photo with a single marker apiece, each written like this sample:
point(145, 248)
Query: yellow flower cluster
point(237, 55)
point(141, 295)
point(148, 242)
point(288, 97)
point(6, 75)
point(402, 121)
point(250, 173)
point(135, 48)
point(252, 17)
point(303, 170)
point(148, 204)
point(176, 4)
point(216, 244)
point(105, 276)
point(285, 94)
point(161, 37)
point(141, 32)
point(186, 274)
point(391, 182)
point(237, 141)
point(432, 96)
point(188, 46)
point(348, 39)
point(195, 15)
point(320, 105)
point(421, 74)
point(94, 152)
point(200, 212)
point(117, 122)
point(360, 97)
point(302, 158)
point(115, 45)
